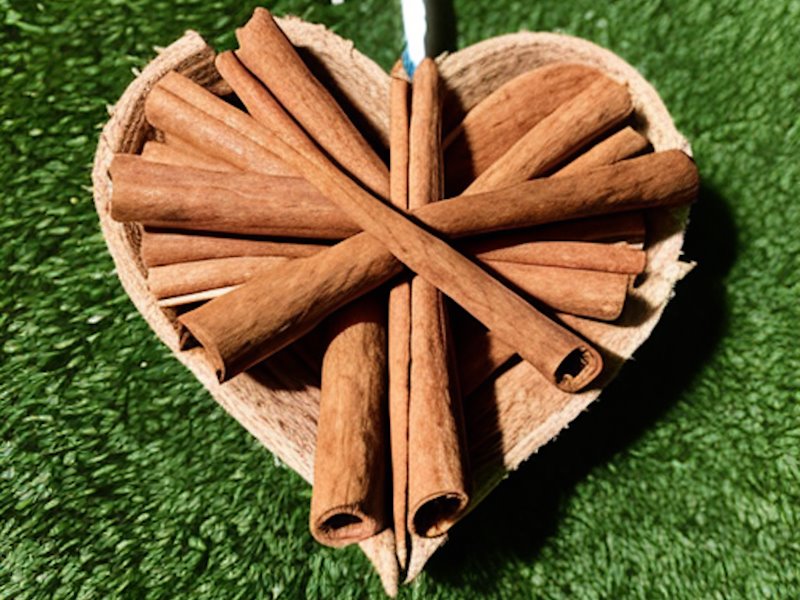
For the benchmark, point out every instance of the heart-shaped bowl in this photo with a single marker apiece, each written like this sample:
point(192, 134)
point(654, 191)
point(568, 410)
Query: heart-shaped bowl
point(278, 402)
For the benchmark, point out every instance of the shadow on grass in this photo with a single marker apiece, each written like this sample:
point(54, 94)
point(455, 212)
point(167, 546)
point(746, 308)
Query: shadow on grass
point(518, 518)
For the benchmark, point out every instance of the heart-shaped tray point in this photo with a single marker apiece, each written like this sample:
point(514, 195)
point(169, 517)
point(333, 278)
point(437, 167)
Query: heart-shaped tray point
point(278, 403)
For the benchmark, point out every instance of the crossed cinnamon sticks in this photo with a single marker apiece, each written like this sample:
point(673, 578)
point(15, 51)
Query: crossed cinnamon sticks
point(286, 216)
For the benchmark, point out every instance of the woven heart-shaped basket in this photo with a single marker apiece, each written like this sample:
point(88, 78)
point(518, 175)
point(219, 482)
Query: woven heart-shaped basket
point(278, 401)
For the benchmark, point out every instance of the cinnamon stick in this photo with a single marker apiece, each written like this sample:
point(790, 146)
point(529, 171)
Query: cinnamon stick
point(399, 320)
point(202, 275)
point(623, 144)
point(608, 258)
point(438, 484)
point(178, 105)
point(172, 247)
point(499, 120)
point(586, 293)
point(627, 227)
point(560, 135)
point(246, 203)
point(450, 217)
point(619, 146)
point(265, 51)
point(348, 498)
point(313, 287)
point(201, 160)
point(169, 247)
point(485, 352)
point(593, 294)
point(347, 503)
point(161, 153)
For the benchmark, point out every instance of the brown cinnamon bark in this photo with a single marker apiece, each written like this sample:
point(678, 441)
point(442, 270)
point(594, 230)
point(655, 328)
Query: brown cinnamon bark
point(560, 135)
point(171, 247)
point(161, 153)
point(438, 484)
point(165, 247)
point(399, 323)
point(608, 258)
point(348, 501)
point(203, 275)
point(313, 287)
point(160, 246)
point(485, 353)
point(178, 105)
point(563, 357)
point(592, 294)
point(201, 159)
point(267, 53)
point(623, 144)
point(246, 203)
point(627, 227)
point(586, 293)
point(215, 128)
point(497, 122)
point(271, 115)
point(457, 276)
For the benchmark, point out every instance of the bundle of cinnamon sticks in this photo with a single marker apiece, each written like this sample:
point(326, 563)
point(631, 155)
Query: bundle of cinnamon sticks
point(269, 222)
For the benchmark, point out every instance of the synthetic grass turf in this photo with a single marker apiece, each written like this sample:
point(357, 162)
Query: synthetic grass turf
point(120, 477)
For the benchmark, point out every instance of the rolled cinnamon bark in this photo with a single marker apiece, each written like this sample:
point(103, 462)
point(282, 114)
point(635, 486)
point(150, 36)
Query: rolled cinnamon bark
point(627, 227)
point(623, 144)
point(586, 293)
point(246, 203)
point(607, 258)
point(172, 247)
point(268, 54)
point(159, 152)
point(178, 105)
point(272, 116)
point(399, 323)
point(201, 160)
point(315, 286)
point(485, 353)
point(203, 275)
point(348, 498)
point(499, 120)
point(461, 279)
point(593, 294)
point(348, 501)
point(444, 212)
point(566, 361)
point(560, 135)
point(438, 484)
point(169, 247)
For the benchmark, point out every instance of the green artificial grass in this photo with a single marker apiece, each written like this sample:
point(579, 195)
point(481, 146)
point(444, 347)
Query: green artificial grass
point(121, 478)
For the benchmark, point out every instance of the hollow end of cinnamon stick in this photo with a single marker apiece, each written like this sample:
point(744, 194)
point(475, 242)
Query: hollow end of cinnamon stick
point(343, 525)
point(578, 369)
point(194, 334)
point(437, 513)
